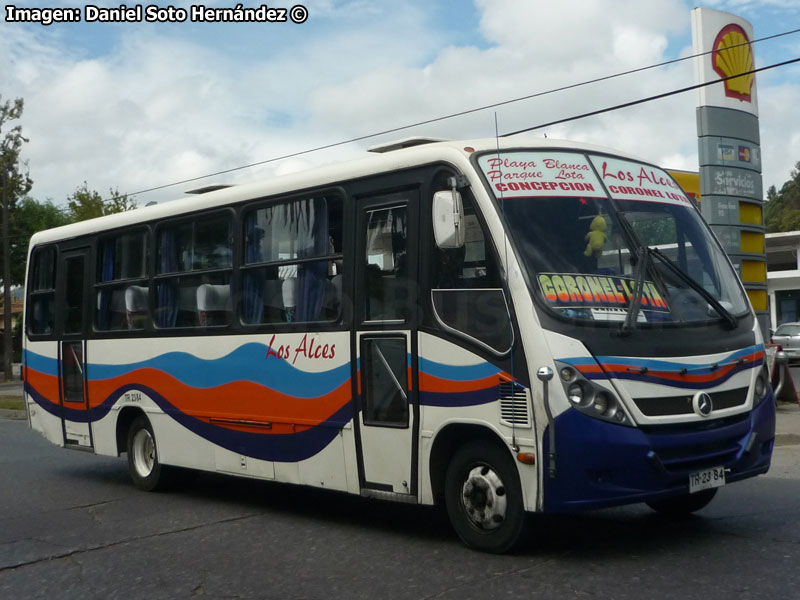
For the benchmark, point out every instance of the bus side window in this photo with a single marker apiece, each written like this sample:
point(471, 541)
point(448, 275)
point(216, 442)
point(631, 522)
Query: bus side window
point(387, 285)
point(291, 269)
point(121, 267)
point(467, 293)
point(42, 292)
point(194, 260)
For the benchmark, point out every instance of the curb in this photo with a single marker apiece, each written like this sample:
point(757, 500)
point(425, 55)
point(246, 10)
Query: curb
point(17, 415)
point(787, 439)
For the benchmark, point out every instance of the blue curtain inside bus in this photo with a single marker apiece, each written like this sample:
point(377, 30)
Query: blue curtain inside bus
point(312, 278)
point(107, 274)
point(167, 313)
point(253, 281)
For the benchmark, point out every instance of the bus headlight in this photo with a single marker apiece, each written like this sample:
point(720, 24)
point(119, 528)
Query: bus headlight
point(602, 403)
point(761, 388)
point(575, 394)
point(567, 374)
point(591, 399)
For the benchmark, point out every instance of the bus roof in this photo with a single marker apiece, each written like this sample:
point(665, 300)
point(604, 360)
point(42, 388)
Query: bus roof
point(406, 155)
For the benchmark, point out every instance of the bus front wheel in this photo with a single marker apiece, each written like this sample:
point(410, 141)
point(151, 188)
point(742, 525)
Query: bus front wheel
point(143, 464)
point(484, 497)
point(678, 506)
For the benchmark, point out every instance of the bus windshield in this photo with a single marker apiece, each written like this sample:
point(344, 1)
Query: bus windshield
point(581, 251)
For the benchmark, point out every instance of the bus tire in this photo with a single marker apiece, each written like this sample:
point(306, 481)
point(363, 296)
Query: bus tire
point(143, 464)
point(679, 506)
point(483, 497)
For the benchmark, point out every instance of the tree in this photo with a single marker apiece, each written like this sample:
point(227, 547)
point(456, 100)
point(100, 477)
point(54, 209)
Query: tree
point(15, 183)
point(86, 204)
point(28, 217)
point(782, 210)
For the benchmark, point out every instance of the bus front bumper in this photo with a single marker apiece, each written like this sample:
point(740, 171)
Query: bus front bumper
point(600, 464)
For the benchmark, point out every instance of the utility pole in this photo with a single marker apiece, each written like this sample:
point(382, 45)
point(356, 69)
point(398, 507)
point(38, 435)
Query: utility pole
point(14, 183)
point(7, 335)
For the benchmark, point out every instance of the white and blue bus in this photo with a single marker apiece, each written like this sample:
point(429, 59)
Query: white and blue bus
point(501, 327)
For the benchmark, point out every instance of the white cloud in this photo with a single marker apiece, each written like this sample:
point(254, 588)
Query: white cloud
point(155, 108)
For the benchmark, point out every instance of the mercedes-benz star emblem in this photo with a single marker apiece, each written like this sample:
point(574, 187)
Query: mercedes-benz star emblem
point(702, 404)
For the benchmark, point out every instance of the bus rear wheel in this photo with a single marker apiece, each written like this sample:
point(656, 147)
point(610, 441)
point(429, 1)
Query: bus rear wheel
point(484, 497)
point(143, 464)
point(679, 506)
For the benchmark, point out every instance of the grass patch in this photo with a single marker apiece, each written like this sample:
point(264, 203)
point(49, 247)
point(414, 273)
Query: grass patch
point(12, 402)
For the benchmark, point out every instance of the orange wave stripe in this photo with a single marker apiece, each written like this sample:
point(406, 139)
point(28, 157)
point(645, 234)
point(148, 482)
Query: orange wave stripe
point(45, 385)
point(672, 375)
point(235, 400)
point(431, 383)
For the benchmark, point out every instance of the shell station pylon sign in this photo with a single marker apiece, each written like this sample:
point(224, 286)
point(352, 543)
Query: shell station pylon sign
point(729, 148)
point(730, 53)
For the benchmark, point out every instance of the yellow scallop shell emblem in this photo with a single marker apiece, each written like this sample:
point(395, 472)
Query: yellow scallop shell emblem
point(732, 55)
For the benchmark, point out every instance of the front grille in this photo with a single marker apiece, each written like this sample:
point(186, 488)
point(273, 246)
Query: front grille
point(705, 425)
point(682, 405)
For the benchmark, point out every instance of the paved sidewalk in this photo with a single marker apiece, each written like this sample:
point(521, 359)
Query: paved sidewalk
point(13, 388)
point(787, 424)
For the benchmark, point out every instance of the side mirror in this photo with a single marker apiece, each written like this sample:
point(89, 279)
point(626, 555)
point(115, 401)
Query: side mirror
point(448, 219)
point(781, 358)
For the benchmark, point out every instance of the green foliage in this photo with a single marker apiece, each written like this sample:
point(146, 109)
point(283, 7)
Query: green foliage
point(28, 217)
point(86, 204)
point(782, 210)
point(15, 182)
point(655, 231)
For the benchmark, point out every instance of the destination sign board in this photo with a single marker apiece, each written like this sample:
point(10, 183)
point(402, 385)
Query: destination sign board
point(540, 174)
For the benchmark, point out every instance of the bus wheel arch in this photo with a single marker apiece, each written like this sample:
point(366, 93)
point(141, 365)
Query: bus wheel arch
point(446, 444)
point(124, 421)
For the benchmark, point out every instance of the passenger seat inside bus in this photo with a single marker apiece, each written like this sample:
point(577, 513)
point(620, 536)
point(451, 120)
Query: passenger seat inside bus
point(136, 306)
point(213, 304)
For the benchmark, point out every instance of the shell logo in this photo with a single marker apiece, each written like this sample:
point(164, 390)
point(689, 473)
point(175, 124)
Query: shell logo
point(732, 54)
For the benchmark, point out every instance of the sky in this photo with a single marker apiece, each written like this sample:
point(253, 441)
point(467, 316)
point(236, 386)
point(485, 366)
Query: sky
point(133, 106)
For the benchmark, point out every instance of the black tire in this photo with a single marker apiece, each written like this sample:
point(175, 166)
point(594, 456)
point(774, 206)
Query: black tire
point(681, 506)
point(143, 464)
point(484, 497)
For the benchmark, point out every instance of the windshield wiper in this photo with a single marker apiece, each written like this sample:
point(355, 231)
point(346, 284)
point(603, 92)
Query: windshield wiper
point(696, 286)
point(642, 262)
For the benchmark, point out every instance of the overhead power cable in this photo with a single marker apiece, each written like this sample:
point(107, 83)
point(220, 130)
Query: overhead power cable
point(496, 105)
point(650, 98)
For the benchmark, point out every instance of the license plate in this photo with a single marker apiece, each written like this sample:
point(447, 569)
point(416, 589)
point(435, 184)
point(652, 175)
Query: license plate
point(703, 480)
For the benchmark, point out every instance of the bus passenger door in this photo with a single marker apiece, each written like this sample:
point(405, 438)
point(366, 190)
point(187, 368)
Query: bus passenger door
point(387, 422)
point(74, 310)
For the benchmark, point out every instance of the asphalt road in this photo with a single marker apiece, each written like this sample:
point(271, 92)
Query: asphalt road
point(72, 526)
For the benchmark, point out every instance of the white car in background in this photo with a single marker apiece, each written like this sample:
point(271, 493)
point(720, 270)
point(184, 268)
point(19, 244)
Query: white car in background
point(788, 336)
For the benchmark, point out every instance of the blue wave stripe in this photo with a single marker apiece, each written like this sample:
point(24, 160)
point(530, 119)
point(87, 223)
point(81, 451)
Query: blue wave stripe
point(246, 363)
point(459, 399)
point(456, 372)
point(249, 363)
point(43, 364)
